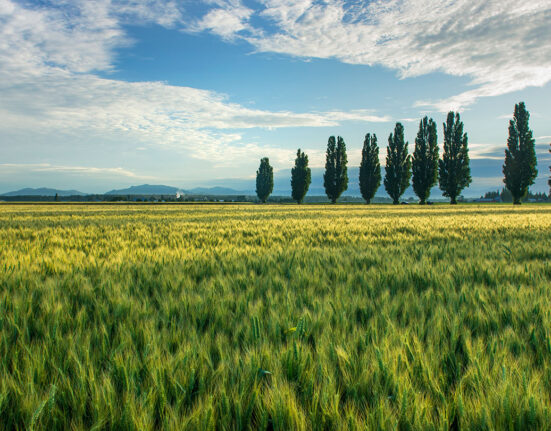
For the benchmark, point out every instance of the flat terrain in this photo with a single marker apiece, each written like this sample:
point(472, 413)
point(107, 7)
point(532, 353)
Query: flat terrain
point(275, 317)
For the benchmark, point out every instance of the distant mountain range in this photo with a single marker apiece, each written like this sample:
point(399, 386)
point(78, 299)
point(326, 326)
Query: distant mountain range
point(43, 191)
point(147, 189)
point(487, 176)
point(217, 191)
point(144, 189)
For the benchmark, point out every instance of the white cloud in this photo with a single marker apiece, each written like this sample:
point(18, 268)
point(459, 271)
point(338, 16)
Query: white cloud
point(149, 112)
point(226, 20)
point(86, 170)
point(358, 115)
point(34, 42)
point(166, 13)
point(486, 151)
point(48, 56)
point(502, 46)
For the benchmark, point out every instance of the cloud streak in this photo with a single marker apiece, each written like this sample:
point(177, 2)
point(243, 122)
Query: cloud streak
point(81, 170)
point(49, 56)
point(501, 46)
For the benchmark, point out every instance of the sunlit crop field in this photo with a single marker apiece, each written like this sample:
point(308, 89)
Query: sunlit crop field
point(275, 317)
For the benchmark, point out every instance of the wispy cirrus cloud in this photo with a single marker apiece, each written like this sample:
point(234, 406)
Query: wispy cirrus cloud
point(86, 170)
point(202, 123)
point(50, 53)
point(501, 46)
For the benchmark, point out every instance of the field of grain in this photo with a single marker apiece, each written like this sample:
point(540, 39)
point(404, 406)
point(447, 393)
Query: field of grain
point(127, 317)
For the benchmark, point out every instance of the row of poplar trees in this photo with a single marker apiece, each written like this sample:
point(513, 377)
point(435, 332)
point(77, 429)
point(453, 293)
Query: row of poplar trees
point(424, 168)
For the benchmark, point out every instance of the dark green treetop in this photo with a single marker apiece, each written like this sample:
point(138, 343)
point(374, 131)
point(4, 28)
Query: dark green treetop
point(454, 169)
point(301, 177)
point(264, 180)
point(520, 156)
point(398, 164)
point(370, 168)
point(425, 160)
point(335, 179)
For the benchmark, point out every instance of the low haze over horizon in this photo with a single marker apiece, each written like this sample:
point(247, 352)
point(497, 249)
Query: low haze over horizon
point(102, 95)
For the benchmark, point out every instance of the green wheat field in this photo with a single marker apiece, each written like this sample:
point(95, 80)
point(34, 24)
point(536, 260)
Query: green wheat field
point(276, 317)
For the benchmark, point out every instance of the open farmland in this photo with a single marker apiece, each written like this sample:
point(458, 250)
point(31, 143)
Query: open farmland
point(275, 317)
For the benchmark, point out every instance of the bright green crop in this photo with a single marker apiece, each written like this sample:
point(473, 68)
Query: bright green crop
point(146, 317)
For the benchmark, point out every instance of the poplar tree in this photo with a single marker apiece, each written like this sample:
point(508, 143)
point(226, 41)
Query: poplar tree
point(425, 160)
point(264, 180)
point(301, 177)
point(520, 156)
point(398, 165)
point(335, 179)
point(454, 169)
point(370, 168)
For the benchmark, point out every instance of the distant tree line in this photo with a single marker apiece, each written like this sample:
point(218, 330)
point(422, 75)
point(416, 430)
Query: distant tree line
point(504, 195)
point(423, 169)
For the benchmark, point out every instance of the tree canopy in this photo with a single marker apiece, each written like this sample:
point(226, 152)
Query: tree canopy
point(335, 179)
point(454, 167)
point(301, 177)
point(398, 164)
point(520, 156)
point(370, 168)
point(264, 180)
point(425, 159)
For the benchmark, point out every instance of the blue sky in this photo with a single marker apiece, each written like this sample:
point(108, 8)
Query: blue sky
point(103, 94)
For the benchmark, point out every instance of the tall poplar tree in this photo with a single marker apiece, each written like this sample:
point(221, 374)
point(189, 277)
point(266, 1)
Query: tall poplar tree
point(398, 164)
point(370, 168)
point(520, 156)
point(301, 177)
point(425, 159)
point(335, 179)
point(454, 169)
point(264, 180)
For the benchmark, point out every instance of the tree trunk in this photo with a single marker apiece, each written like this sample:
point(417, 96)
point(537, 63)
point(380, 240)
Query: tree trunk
point(367, 201)
point(396, 202)
point(516, 201)
point(453, 201)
